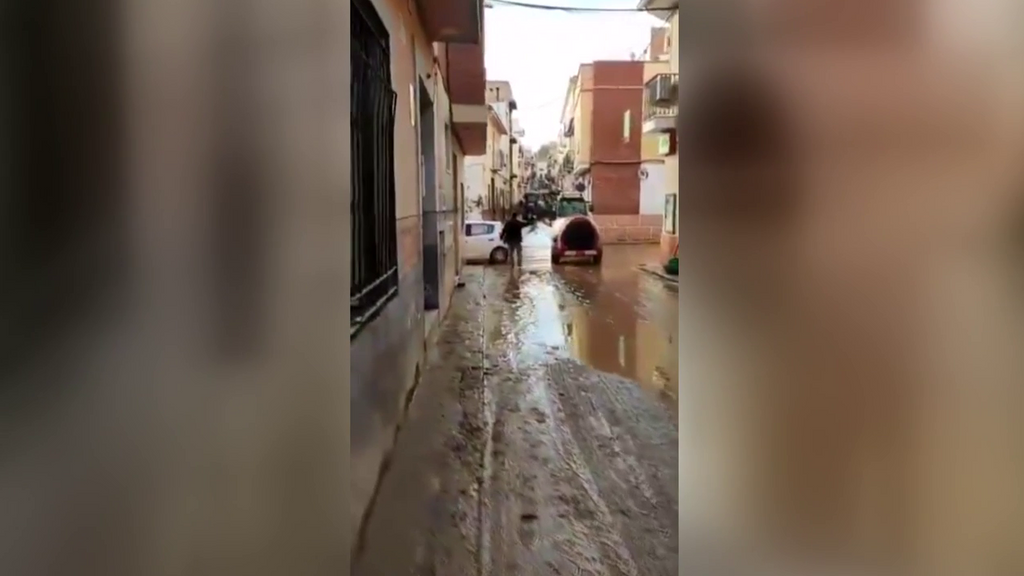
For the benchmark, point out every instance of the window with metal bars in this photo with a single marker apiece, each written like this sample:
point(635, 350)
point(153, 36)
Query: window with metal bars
point(374, 230)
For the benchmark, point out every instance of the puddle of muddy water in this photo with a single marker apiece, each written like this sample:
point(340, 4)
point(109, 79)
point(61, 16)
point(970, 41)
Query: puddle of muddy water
point(611, 317)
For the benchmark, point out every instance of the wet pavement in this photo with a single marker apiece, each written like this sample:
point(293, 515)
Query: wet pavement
point(610, 317)
point(542, 438)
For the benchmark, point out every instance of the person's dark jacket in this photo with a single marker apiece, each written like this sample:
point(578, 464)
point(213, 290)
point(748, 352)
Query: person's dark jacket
point(512, 232)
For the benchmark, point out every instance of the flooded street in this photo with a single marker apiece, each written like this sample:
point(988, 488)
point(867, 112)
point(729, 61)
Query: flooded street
point(610, 317)
point(542, 438)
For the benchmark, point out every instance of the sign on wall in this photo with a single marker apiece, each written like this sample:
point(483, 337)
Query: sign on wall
point(664, 145)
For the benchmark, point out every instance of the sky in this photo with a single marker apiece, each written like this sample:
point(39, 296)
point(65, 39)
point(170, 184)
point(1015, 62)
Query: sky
point(537, 51)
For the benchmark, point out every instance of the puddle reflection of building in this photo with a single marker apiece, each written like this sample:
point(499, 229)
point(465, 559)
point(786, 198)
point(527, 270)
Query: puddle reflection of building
point(657, 341)
point(654, 358)
point(602, 326)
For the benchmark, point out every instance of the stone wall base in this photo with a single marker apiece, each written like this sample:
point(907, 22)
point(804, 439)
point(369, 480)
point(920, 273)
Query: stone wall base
point(669, 248)
point(629, 228)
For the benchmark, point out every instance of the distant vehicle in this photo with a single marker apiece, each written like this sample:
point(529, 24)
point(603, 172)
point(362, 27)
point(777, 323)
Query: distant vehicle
point(572, 204)
point(574, 233)
point(481, 242)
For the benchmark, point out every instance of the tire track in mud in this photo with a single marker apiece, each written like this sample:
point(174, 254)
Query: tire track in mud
point(567, 496)
point(542, 466)
point(628, 442)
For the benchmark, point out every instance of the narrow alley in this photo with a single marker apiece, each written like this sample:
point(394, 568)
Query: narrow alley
point(542, 437)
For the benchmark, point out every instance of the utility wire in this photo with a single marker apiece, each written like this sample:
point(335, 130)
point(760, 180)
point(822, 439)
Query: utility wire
point(569, 9)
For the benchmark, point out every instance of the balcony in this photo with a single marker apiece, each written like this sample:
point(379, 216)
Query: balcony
point(452, 21)
point(467, 86)
point(662, 9)
point(661, 103)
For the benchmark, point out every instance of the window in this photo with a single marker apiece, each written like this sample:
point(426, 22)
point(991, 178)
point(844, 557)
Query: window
point(374, 233)
point(572, 207)
point(479, 229)
point(670, 214)
point(625, 126)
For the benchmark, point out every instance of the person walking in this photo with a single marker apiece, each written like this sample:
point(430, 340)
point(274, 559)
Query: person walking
point(512, 236)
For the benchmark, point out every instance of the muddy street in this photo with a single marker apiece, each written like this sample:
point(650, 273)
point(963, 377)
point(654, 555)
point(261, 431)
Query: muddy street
point(542, 437)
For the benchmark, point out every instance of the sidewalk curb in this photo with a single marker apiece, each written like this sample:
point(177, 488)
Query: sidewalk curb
point(655, 270)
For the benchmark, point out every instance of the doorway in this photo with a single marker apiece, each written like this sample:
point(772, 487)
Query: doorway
point(428, 170)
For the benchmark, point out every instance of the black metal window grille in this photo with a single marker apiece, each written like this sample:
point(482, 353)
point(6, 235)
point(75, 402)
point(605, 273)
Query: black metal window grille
point(374, 231)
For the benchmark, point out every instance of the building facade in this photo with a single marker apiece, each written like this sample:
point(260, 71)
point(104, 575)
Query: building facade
point(602, 128)
point(493, 177)
point(660, 111)
point(476, 175)
point(653, 184)
point(497, 174)
point(419, 80)
point(503, 168)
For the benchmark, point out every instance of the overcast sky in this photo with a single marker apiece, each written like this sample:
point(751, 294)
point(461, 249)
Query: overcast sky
point(538, 50)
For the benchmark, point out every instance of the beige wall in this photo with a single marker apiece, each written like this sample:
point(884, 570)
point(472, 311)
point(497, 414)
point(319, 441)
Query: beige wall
point(404, 80)
point(447, 187)
point(652, 69)
point(495, 141)
point(672, 161)
point(499, 91)
point(583, 98)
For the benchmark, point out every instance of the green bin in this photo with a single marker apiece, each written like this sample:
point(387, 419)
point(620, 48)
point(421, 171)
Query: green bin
point(672, 267)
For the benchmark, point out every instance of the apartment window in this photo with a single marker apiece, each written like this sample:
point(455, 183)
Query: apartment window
point(374, 234)
point(625, 125)
point(670, 216)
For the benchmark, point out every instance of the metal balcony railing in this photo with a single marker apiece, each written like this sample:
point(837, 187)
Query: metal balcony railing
point(661, 96)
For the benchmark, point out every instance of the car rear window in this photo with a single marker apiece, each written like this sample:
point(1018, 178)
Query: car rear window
point(479, 229)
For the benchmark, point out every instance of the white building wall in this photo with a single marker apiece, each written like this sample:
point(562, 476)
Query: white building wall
point(653, 188)
point(475, 177)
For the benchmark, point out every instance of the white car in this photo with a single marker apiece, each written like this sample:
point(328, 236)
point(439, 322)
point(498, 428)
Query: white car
point(481, 242)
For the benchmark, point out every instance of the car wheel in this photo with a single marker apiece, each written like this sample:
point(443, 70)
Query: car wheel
point(499, 255)
point(597, 260)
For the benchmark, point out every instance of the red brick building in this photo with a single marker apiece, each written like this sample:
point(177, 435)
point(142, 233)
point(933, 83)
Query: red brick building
point(603, 118)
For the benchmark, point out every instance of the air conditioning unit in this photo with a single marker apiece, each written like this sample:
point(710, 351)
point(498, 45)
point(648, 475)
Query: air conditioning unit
point(665, 91)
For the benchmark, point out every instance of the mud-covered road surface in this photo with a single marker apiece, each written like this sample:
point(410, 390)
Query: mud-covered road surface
point(542, 438)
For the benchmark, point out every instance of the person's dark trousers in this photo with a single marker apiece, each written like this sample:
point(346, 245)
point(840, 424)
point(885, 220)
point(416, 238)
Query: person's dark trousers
point(515, 253)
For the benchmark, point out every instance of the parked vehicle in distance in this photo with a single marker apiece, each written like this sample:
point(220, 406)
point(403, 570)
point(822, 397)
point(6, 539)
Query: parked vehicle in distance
point(572, 204)
point(481, 242)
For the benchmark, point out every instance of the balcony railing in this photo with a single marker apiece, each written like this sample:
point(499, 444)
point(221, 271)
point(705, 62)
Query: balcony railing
point(661, 96)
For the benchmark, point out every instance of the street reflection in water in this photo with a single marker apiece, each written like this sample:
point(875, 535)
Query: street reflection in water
point(612, 317)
